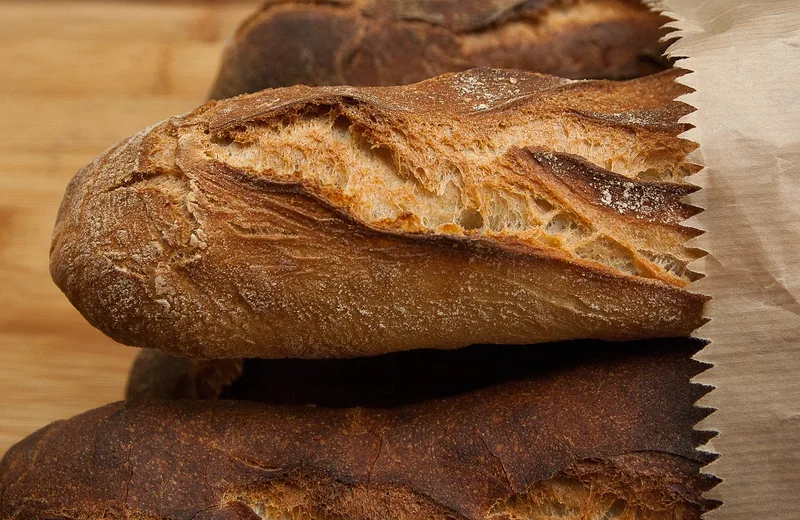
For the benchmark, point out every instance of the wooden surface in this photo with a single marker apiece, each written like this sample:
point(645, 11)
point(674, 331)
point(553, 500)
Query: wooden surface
point(75, 77)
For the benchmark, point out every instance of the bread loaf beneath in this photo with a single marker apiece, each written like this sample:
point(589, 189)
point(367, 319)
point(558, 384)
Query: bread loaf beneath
point(587, 432)
point(387, 42)
point(488, 206)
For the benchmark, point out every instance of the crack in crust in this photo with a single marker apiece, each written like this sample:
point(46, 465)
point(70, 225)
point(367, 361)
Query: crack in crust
point(468, 178)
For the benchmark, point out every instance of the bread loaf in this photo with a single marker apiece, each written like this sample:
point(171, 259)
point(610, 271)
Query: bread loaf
point(388, 42)
point(588, 433)
point(487, 206)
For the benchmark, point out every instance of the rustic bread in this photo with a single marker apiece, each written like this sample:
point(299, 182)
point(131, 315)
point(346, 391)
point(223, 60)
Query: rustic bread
point(387, 42)
point(487, 206)
point(586, 432)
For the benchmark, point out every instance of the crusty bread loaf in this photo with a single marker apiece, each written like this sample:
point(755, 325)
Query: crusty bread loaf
point(389, 42)
point(580, 434)
point(487, 206)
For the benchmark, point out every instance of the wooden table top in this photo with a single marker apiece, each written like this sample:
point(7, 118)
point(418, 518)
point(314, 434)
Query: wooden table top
point(76, 77)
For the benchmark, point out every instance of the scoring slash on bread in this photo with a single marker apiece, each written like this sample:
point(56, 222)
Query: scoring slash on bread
point(488, 206)
point(578, 432)
point(390, 42)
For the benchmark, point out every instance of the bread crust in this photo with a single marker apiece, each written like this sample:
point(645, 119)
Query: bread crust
point(155, 374)
point(579, 431)
point(262, 226)
point(385, 42)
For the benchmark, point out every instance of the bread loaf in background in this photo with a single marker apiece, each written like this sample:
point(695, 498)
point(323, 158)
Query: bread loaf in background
point(488, 206)
point(390, 42)
point(582, 431)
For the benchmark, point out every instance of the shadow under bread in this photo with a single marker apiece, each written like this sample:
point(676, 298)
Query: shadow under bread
point(614, 376)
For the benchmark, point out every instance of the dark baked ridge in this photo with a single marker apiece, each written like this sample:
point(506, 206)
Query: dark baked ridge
point(589, 432)
point(386, 42)
point(482, 207)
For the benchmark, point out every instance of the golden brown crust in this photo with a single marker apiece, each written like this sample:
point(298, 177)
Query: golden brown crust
point(341, 221)
point(386, 42)
point(588, 427)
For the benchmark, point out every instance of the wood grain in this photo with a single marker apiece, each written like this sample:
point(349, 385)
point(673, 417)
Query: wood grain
point(77, 77)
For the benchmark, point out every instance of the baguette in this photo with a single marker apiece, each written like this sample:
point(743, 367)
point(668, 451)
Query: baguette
point(593, 433)
point(386, 42)
point(487, 206)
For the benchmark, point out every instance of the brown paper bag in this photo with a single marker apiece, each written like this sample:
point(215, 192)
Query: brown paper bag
point(745, 58)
